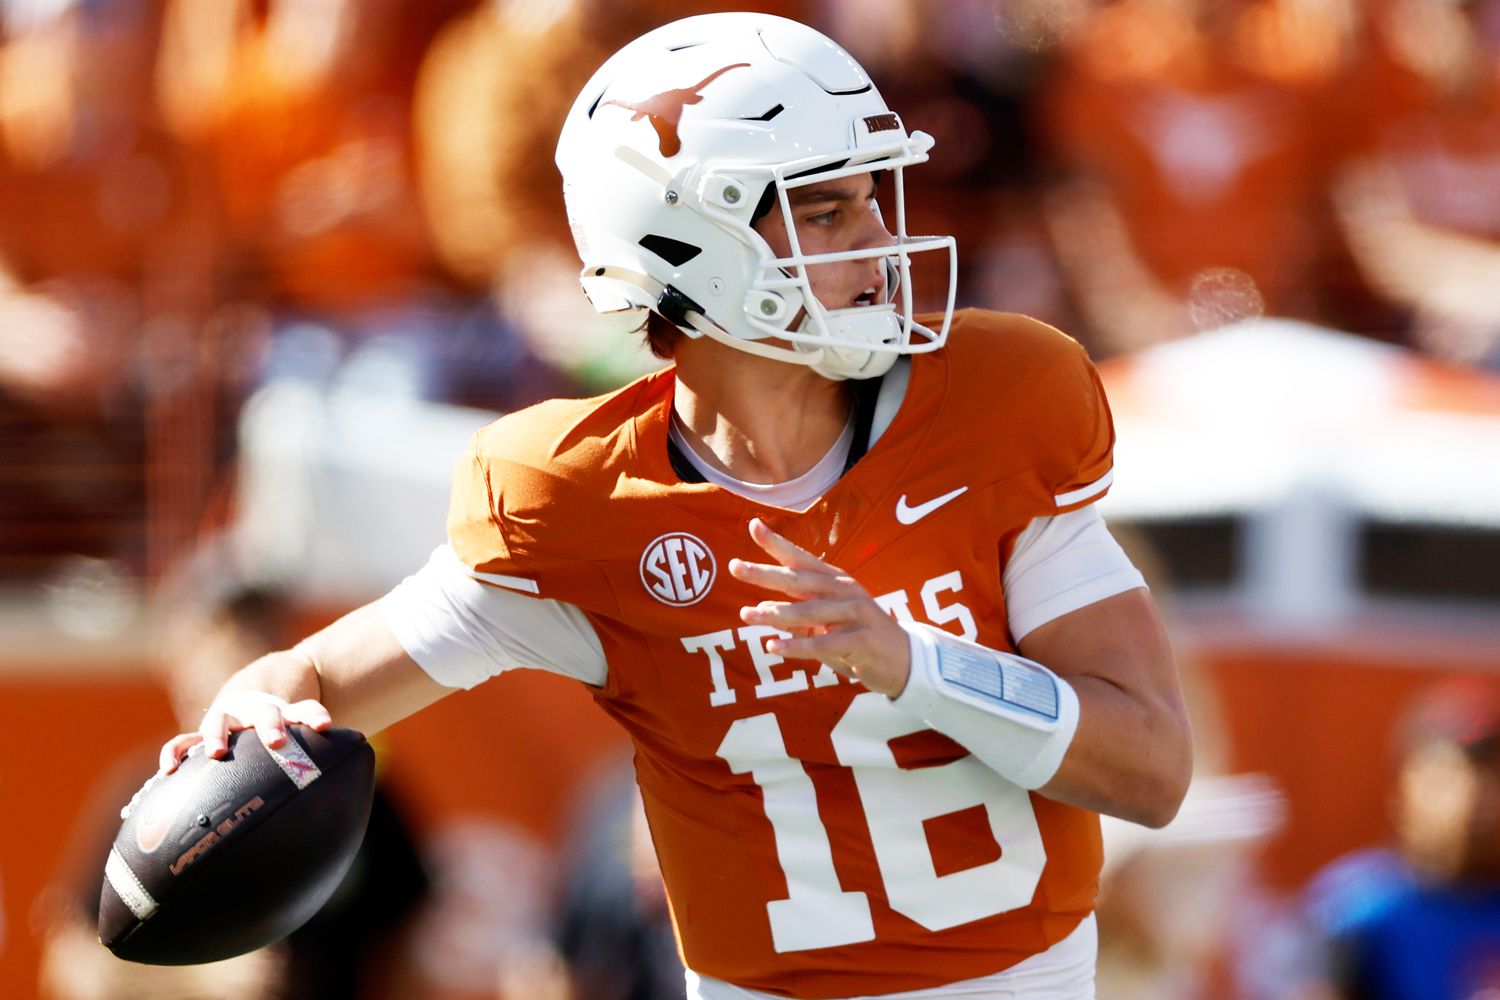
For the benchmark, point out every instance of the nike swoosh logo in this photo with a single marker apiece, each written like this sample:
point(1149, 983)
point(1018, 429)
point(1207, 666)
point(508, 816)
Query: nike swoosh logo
point(907, 514)
point(161, 811)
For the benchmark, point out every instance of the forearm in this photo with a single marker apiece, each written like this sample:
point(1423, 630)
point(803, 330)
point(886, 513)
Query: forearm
point(354, 673)
point(355, 667)
point(365, 677)
point(1091, 716)
point(1127, 759)
point(1132, 755)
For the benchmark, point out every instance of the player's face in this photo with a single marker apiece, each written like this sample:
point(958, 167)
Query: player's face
point(831, 217)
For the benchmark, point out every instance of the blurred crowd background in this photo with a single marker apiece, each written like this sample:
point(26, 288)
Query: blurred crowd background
point(206, 201)
point(200, 196)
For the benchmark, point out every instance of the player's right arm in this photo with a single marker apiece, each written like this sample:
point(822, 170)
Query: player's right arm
point(354, 671)
point(446, 627)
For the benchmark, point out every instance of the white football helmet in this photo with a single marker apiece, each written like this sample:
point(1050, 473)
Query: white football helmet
point(672, 145)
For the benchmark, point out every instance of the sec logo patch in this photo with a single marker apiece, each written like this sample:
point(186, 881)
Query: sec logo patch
point(678, 569)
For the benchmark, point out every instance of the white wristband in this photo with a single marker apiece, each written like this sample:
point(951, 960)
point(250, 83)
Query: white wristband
point(1012, 713)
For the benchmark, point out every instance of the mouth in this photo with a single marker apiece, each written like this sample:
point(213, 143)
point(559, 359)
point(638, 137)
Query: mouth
point(869, 297)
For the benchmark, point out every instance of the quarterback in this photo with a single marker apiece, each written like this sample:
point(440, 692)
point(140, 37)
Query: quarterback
point(837, 569)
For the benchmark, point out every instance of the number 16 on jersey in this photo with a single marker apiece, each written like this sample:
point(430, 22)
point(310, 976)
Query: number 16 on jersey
point(818, 912)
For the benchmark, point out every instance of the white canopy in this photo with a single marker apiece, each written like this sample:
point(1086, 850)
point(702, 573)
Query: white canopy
point(1251, 416)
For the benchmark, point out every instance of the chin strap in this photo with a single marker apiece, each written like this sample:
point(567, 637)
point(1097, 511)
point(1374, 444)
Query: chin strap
point(713, 331)
point(830, 362)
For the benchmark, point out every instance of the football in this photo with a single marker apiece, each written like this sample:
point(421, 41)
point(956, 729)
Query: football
point(221, 857)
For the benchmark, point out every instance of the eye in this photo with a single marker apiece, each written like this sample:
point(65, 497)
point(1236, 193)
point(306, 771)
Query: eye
point(824, 218)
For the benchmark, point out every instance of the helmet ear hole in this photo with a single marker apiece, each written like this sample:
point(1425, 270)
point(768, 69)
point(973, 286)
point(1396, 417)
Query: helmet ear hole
point(674, 307)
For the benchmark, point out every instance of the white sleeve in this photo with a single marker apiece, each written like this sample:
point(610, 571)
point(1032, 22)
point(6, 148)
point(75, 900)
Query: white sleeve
point(463, 632)
point(1063, 563)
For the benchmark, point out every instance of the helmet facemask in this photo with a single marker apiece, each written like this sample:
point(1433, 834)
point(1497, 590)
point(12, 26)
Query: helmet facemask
point(858, 341)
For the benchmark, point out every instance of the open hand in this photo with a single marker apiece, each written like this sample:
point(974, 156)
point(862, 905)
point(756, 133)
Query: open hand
point(831, 617)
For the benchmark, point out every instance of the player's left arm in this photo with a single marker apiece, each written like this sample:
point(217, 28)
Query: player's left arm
point(1131, 755)
point(1116, 740)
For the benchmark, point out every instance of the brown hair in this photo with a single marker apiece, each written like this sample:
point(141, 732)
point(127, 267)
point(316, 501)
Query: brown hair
point(661, 335)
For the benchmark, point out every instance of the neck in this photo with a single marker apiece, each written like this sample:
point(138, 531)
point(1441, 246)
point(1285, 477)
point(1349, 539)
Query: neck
point(759, 420)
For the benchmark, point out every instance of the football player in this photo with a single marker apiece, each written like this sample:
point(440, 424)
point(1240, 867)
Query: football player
point(837, 569)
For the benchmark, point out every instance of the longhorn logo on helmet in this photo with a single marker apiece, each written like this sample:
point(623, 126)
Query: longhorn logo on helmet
point(665, 109)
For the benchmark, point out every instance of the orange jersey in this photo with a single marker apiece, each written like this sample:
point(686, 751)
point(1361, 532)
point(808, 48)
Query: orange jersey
point(816, 840)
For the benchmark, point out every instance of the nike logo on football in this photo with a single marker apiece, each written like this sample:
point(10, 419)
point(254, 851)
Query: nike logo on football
point(160, 810)
point(907, 514)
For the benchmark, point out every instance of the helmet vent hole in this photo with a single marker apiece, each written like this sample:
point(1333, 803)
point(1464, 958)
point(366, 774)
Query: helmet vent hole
point(674, 252)
point(767, 115)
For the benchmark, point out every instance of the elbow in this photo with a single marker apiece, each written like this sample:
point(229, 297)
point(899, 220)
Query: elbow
point(1163, 791)
point(1148, 792)
point(1159, 804)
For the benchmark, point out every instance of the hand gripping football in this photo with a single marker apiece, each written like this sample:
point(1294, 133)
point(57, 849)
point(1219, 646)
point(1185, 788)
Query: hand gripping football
point(221, 857)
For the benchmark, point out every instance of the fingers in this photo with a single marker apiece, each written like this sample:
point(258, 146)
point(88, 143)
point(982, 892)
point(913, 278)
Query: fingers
point(266, 718)
point(807, 582)
point(862, 653)
point(837, 649)
point(175, 749)
point(267, 714)
point(780, 578)
point(784, 551)
point(833, 632)
point(799, 573)
point(853, 653)
point(802, 614)
point(308, 712)
point(215, 729)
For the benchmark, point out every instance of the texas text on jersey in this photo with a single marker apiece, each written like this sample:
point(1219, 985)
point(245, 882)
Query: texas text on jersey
point(815, 838)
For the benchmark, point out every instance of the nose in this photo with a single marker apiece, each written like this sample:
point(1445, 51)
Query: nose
point(876, 235)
